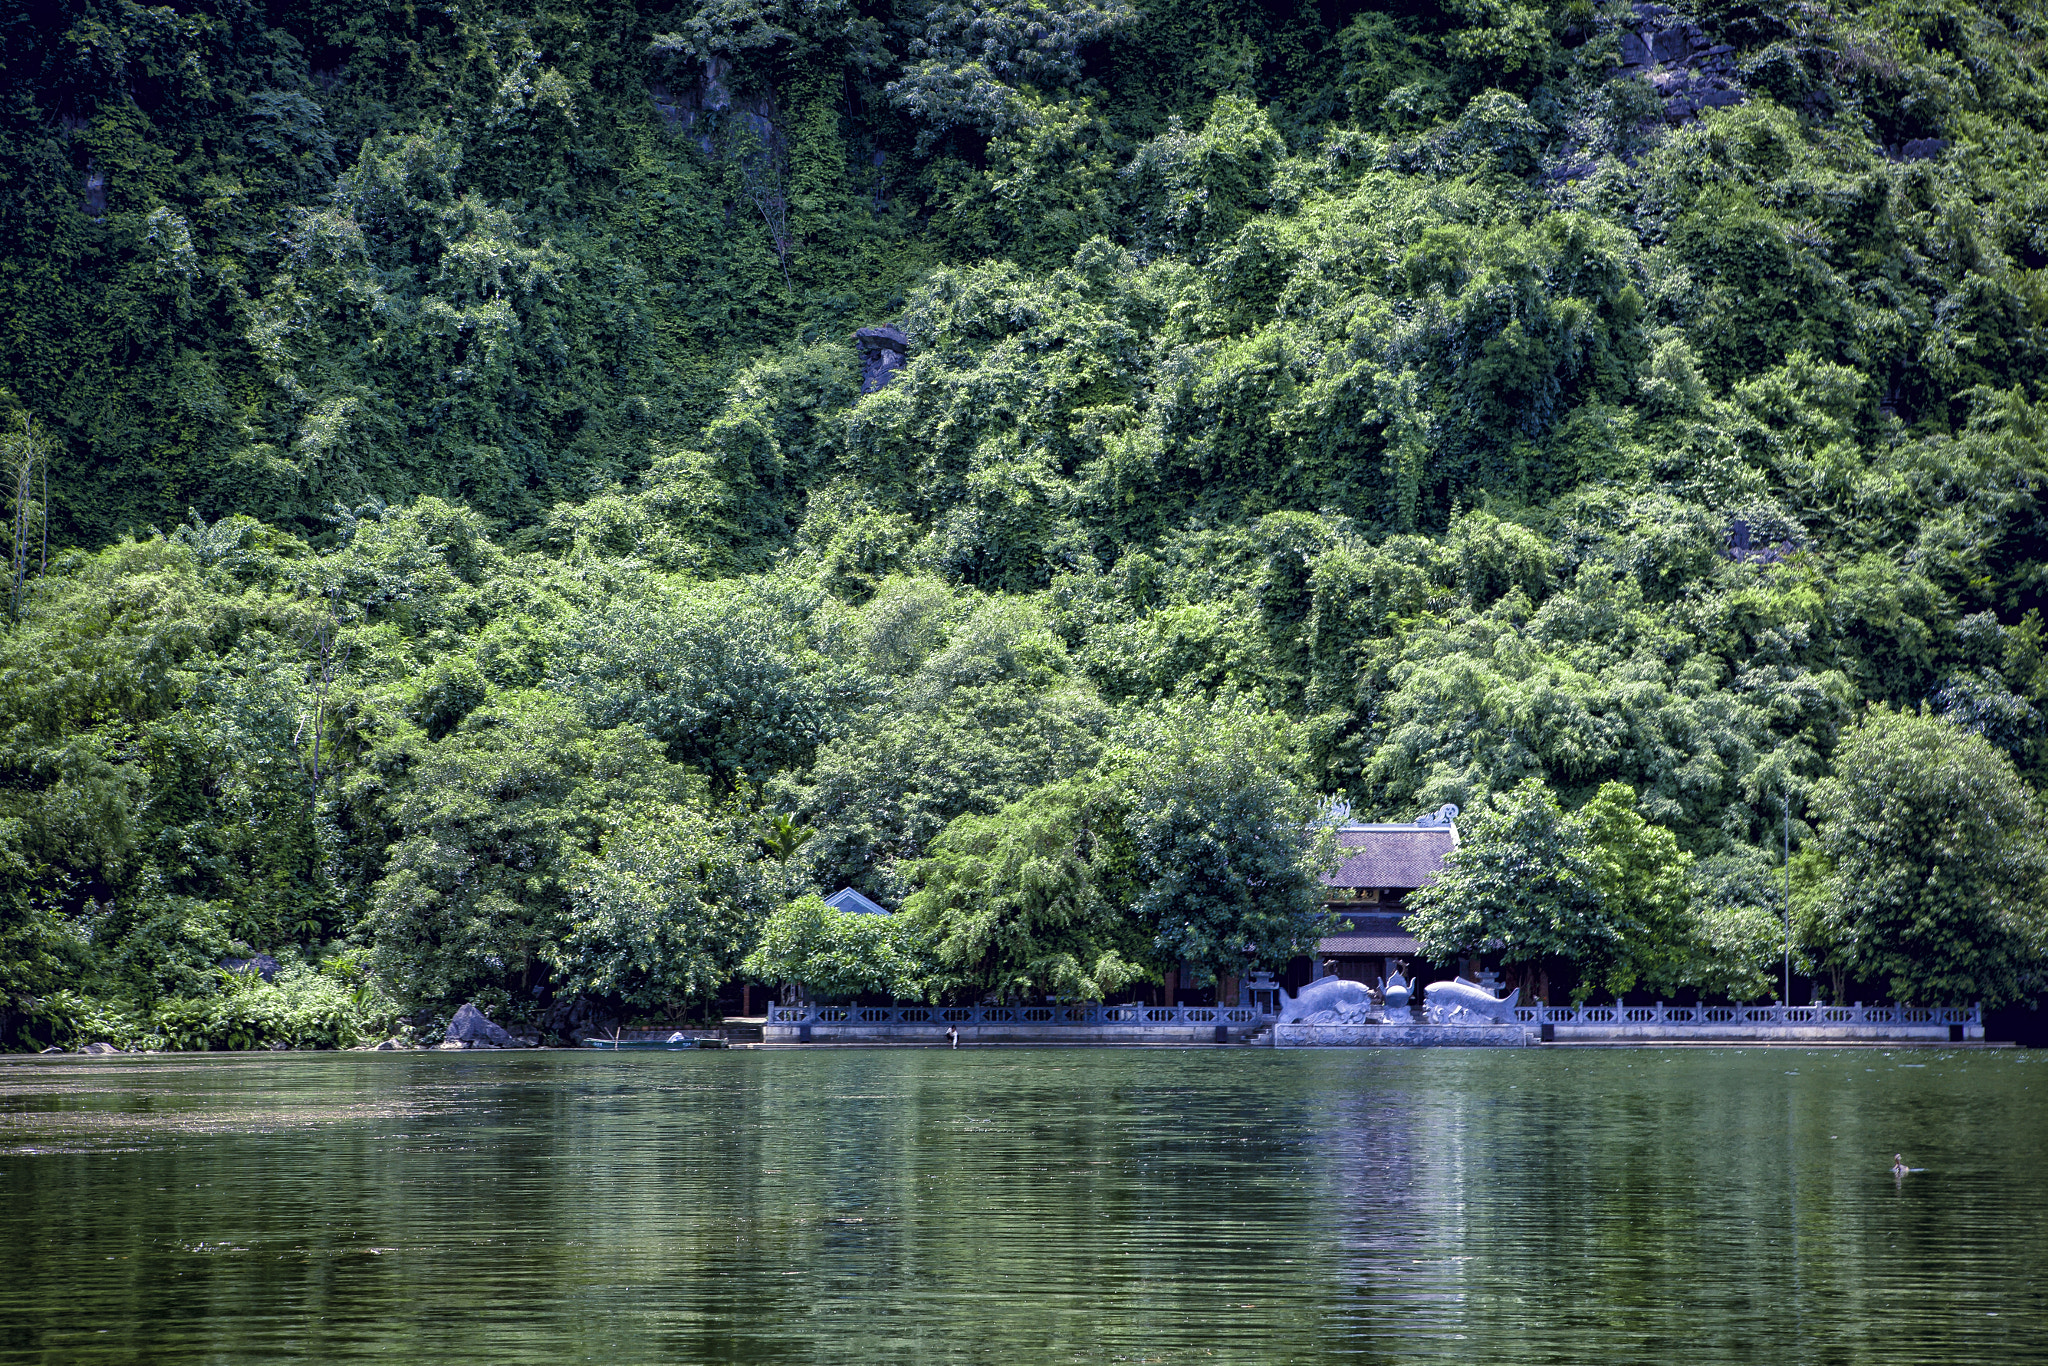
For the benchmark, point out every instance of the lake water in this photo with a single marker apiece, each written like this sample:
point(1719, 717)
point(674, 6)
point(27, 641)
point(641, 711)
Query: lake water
point(1026, 1206)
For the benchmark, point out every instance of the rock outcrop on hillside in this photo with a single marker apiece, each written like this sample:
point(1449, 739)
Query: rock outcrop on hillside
point(1686, 67)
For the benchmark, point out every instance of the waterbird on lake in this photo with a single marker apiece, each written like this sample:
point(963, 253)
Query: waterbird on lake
point(1899, 1167)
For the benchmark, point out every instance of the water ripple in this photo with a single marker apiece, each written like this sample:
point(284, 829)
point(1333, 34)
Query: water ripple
point(1024, 1205)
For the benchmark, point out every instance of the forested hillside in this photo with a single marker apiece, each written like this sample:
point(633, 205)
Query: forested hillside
point(455, 556)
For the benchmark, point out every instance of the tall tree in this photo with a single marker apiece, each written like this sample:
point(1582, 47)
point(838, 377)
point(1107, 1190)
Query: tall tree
point(832, 954)
point(664, 914)
point(1521, 885)
point(493, 828)
point(1225, 855)
point(1033, 900)
point(1940, 885)
point(1642, 877)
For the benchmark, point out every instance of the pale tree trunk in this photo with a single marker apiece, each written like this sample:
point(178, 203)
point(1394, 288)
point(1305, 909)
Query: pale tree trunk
point(31, 521)
point(330, 654)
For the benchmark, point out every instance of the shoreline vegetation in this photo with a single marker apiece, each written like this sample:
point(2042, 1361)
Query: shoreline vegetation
point(458, 553)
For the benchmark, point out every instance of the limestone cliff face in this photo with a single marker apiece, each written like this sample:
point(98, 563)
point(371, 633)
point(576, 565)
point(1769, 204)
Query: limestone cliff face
point(1688, 69)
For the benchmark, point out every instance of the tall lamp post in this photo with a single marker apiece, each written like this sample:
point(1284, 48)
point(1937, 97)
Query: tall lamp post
point(1786, 798)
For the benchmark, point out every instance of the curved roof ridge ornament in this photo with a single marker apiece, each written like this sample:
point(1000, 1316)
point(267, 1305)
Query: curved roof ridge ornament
point(1443, 816)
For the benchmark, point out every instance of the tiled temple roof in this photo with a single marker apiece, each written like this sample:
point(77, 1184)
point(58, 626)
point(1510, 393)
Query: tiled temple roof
point(1396, 857)
point(1370, 935)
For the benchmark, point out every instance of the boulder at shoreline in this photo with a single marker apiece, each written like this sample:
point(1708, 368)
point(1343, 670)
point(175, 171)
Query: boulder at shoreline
point(473, 1029)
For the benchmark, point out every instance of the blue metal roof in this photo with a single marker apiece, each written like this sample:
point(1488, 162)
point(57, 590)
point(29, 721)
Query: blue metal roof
point(847, 899)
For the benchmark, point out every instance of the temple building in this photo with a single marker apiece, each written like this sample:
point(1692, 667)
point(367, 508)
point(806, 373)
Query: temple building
point(847, 899)
point(1381, 865)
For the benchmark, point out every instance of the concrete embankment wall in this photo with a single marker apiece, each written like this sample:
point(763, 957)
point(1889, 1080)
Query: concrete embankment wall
point(835, 1032)
point(1734, 1033)
point(1523, 1035)
point(1418, 1035)
point(1402, 1036)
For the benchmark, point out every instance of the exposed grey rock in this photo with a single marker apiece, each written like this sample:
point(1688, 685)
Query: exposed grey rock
point(473, 1028)
point(1920, 149)
point(883, 351)
point(388, 1046)
point(1689, 70)
point(1571, 169)
point(674, 112)
point(679, 107)
point(262, 963)
point(451, 1045)
point(576, 1018)
point(716, 94)
point(98, 1050)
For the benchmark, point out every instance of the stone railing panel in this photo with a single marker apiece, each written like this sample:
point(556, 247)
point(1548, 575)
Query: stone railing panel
point(1858, 1014)
point(1135, 1016)
point(1131, 1015)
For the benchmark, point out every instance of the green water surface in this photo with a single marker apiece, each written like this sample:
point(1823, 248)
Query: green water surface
point(1026, 1205)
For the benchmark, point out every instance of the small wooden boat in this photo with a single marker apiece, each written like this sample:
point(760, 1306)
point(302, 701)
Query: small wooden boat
point(673, 1044)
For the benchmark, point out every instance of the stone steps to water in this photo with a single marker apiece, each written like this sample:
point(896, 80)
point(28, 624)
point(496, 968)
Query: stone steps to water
point(738, 1029)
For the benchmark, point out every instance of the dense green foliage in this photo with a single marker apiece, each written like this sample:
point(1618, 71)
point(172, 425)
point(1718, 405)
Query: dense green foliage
point(1033, 900)
point(1227, 883)
point(1187, 846)
point(827, 954)
point(468, 531)
point(1940, 855)
point(1600, 897)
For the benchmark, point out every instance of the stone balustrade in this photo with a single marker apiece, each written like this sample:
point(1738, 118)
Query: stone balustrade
point(1095, 1023)
point(1776, 1022)
point(1775, 1014)
point(963, 1017)
point(1142, 1015)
